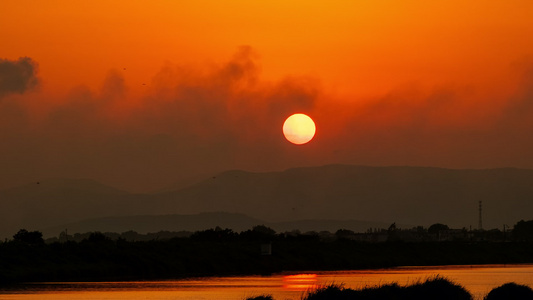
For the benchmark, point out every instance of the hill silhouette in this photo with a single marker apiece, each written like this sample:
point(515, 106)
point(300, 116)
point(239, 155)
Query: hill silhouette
point(58, 201)
point(409, 195)
point(154, 223)
point(203, 221)
point(406, 195)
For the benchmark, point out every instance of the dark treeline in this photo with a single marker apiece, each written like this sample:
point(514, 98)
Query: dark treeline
point(522, 231)
point(224, 252)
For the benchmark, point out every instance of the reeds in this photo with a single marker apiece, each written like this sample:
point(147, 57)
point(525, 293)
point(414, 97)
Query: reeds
point(434, 288)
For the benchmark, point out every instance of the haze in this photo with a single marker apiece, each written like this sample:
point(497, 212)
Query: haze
point(141, 95)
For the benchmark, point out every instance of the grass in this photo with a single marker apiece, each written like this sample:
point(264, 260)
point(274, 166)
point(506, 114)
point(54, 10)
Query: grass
point(434, 288)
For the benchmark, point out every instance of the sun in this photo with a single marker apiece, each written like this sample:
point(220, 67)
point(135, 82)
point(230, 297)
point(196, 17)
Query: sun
point(299, 129)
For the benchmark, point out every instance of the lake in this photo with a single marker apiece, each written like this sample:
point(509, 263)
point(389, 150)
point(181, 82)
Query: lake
point(479, 280)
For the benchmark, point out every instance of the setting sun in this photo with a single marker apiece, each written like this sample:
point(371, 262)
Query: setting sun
point(299, 129)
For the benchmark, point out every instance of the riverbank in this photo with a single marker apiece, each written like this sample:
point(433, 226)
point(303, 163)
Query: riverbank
point(101, 259)
point(478, 280)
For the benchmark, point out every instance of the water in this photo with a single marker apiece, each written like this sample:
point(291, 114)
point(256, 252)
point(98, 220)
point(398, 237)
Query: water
point(479, 280)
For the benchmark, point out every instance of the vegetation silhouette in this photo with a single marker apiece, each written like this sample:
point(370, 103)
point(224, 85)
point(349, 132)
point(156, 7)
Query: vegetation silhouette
point(26, 237)
point(437, 227)
point(523, 231)
point(220, 252)
point(437, 288)
point(510, 291)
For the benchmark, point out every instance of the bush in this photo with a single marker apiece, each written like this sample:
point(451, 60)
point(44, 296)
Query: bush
point(510, 291)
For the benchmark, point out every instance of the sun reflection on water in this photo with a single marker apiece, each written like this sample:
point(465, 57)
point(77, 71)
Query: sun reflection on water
point(300, 282)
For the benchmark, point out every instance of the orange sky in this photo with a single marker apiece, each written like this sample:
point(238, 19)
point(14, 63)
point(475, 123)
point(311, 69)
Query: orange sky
point(140, 94)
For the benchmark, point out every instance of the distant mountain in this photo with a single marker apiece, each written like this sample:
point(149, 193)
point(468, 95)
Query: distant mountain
point(181, 184)
point(51, 186)
point(408, 195)
point(194, 222)
point(155, 223)
point(405, 195)
point(53, 202)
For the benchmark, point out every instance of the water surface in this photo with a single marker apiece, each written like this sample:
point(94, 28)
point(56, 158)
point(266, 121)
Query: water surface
point(478, 280)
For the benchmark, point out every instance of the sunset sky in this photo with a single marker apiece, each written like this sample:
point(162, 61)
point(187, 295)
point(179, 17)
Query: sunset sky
point(142, 94)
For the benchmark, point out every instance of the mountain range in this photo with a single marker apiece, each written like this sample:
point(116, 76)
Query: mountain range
point(332, 193)
point(202, 221)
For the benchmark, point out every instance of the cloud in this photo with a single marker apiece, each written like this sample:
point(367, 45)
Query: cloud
point(223, 116)
point(17, 76)
point(454, 127)
point(224, 100)
point(189, 120)
point(201, 120)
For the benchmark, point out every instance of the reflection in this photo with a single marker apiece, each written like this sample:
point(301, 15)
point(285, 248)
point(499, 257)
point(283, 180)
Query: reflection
point(300, 282)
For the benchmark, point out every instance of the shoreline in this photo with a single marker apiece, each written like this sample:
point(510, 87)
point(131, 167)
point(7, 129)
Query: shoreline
point(285, 273)
point(279, 284)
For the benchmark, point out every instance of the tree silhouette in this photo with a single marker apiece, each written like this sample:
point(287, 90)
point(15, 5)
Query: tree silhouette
point(393, 233)
point(264, 230)
point(97, 237)
point(24, 236)
point(523, 231)
point(344, 234)
point(435, 228)
point(259, 232)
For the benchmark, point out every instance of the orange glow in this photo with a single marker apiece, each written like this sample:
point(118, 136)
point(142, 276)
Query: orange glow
point(300, 282)
point(300, 277)
point(347, 43)
point(202, 86)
